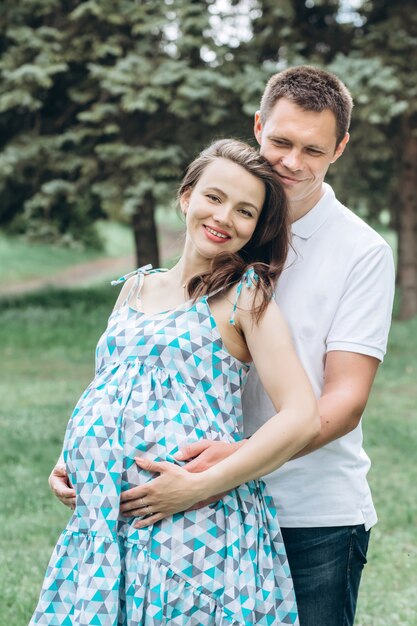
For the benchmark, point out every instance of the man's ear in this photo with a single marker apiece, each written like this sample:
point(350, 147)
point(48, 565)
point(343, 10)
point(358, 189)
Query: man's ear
point(184, 200)
point(340, 148)
point(257, 127)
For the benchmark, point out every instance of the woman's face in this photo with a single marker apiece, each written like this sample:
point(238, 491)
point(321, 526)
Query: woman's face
point(222, 209)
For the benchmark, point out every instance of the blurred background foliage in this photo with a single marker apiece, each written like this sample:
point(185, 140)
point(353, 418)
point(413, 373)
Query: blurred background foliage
point(102, 104)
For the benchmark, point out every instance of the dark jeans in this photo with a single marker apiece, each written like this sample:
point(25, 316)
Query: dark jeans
point(326, 566)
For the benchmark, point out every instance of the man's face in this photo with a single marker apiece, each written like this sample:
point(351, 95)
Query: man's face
point(300, 145)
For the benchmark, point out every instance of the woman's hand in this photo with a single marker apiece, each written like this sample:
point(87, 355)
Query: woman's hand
point(61, 486)
point(174, 490)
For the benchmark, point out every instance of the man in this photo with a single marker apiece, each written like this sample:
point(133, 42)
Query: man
point(336, 293)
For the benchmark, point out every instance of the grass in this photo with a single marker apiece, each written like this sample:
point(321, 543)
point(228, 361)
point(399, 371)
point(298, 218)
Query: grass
point(21, 260)
point(47, 342)
point(387, 595)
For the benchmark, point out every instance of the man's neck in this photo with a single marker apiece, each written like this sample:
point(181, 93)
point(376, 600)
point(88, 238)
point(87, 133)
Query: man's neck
point(299, 208)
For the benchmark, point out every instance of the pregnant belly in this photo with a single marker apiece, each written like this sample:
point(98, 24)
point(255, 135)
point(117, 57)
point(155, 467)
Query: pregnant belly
point(114, 422)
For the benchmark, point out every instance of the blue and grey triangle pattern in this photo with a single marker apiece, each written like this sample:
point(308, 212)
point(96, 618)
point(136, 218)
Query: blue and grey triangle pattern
point(161, 381)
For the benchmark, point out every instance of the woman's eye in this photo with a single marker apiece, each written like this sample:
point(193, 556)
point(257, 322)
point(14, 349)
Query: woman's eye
point(245, 212)
point(212, 197)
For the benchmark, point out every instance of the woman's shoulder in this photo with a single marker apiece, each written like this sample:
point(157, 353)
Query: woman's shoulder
point(132, 283)
point(252, 293)
point(143, 270)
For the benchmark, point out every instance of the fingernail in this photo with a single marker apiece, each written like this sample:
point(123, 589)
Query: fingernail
point(178, 455)
point(138, 459)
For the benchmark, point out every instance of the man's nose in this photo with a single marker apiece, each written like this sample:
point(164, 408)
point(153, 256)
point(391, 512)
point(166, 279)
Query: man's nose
point(292, 160)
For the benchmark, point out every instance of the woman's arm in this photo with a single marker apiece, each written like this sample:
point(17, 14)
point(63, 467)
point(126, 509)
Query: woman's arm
point(288, 431)
point(296, 422)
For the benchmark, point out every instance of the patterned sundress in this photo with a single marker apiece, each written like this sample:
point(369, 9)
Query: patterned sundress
point(162, 381)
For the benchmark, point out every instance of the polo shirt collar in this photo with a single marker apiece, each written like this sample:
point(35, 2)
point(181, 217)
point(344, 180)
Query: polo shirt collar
point(307, 225)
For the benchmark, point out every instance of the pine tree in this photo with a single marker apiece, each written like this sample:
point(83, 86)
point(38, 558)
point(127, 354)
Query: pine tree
point(101, 106)
point(381, 71)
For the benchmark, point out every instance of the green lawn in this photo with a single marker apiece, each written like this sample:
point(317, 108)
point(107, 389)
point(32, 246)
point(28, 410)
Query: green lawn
point(21, 260)
point(47, 343)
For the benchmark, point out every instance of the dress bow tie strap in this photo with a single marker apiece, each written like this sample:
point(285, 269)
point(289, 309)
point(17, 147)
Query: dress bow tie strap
point(141, 270)
point(249, 279)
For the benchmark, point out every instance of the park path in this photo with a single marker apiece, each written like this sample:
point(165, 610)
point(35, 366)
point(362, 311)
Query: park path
point(74, 276)
point(91, 272)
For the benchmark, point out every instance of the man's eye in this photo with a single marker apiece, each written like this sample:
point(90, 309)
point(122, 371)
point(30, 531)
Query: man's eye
point(314, 152)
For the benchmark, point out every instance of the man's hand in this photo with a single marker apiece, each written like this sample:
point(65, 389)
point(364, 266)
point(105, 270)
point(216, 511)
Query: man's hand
point(61, 486)
point(204, 454)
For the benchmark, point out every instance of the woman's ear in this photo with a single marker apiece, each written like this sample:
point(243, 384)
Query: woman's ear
point(184, 200)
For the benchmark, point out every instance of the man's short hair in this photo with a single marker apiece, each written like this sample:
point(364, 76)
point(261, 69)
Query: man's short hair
point(312, 89)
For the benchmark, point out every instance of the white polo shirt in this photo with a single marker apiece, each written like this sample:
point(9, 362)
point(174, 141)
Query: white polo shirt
point(336, 293)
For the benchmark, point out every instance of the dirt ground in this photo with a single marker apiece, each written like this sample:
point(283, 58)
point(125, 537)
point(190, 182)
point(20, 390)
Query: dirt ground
point(76, 275)
point(96, 271)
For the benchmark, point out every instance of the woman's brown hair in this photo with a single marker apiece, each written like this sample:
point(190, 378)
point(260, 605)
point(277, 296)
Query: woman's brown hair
point(267, 249)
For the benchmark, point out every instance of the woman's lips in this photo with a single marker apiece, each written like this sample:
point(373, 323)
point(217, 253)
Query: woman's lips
point(219, 236)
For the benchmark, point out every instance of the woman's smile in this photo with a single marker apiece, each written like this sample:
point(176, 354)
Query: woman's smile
point(220, 212)
point(219, 236)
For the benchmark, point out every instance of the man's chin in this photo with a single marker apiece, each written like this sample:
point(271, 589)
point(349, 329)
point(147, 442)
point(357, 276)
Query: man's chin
point(291, 192)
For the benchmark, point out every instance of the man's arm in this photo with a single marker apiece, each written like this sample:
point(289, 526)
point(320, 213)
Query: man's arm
point(362, 320)
point(60, 484)
point(348, 378)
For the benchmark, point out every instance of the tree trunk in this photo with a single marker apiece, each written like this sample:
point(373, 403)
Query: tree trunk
point(407, 223)
point(145, 233)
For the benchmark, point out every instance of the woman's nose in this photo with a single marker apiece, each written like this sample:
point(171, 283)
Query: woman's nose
point(223, 216)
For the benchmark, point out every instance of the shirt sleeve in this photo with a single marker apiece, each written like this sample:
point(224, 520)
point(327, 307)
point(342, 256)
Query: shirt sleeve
point(363, 317)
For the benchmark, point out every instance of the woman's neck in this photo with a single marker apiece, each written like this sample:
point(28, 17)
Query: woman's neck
point(186, 268)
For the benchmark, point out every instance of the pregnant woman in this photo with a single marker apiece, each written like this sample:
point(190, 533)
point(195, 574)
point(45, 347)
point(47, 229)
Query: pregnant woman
point(170, 369)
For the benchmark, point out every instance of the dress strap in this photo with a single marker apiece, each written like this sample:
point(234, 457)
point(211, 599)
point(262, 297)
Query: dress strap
point(140, 274)
point(249, 279)
point(141, 270)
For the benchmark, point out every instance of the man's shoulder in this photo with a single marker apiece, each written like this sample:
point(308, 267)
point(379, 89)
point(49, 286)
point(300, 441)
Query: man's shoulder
point(349, 229)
